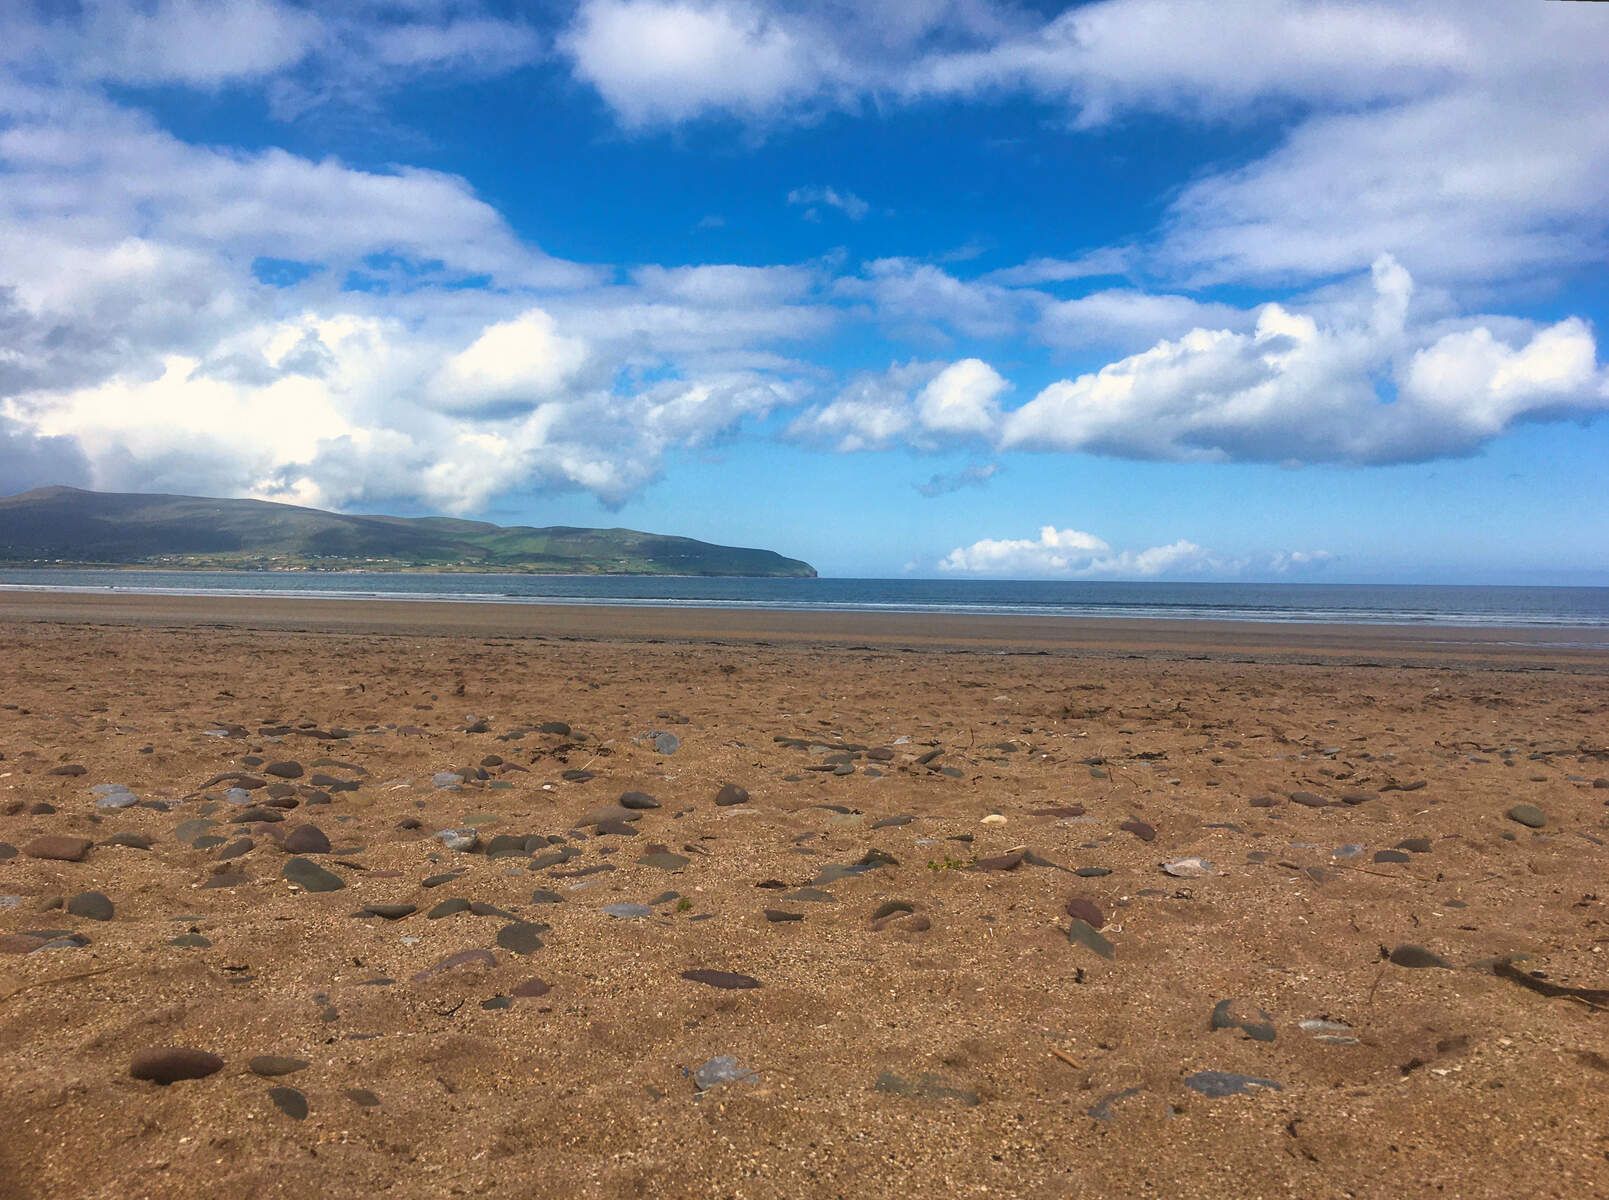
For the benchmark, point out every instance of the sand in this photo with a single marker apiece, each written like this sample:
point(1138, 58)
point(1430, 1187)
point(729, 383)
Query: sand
point(961, 1044)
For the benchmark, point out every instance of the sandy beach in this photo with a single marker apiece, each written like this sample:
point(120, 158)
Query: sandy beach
point(530, 900)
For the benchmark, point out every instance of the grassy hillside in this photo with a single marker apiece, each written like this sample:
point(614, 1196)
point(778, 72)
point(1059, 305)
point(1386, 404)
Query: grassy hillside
point(60, 524)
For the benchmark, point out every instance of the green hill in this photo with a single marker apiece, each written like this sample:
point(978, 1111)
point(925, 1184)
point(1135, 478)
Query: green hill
point(67, 525)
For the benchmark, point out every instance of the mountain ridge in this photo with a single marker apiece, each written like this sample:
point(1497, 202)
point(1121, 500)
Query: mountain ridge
point(59, 524)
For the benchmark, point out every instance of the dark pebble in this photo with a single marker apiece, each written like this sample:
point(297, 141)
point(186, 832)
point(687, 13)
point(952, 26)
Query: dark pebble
point(272, 1065)
point(284, 770)
point(93, 906)
point(522, 937)
point(1418, 957)
point(307, 839)
point(721, 979)
point(311, 877)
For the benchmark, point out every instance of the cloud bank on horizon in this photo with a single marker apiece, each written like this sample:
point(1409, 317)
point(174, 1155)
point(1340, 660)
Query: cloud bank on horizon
point(1386, 274)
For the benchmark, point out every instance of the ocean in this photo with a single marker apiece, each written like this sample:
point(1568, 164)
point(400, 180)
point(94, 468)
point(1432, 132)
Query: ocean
point(1412, 604)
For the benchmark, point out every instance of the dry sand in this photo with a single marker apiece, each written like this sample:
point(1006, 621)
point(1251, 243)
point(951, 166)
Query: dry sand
point(965, 1047)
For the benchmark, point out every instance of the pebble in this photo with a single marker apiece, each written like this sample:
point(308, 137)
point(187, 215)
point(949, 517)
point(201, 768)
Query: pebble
point(448, 908)
point(730, 794)
point(522, 937)
point(462, 840)
point(1528, 815)
point(307, 839)
point(1226, 1083)
point(723, 1069)
point(532, 989)
point(721, 979)
point(639, 801)
point(311, 877)
point(1140, 829)
point(926, 1086)
point(1189, 868)
point(284, 770)
point(663, 859)
point(627, 912)
point(173, 1063)
point(464, 958)
point(93, 906)
point(272, 1065)
point(58, 847)
point(1254, 1022)
point(1086, 910)
point(390, 912)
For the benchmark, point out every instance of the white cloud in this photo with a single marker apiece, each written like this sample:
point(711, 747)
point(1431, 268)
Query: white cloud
point(1121, 318)
point(1072, 552)
point(1371, 390)
point(923, 404)
point(851, 205)
point(667, 60)
point(922, 301)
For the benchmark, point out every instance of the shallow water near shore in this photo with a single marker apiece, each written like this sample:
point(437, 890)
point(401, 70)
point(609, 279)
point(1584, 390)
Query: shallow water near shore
point(1443, 605)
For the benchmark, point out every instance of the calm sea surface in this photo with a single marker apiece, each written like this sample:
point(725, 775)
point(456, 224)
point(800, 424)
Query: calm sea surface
point(1585, 607)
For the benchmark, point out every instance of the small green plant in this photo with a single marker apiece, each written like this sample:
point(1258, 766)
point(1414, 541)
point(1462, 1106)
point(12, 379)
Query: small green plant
point(684, 904)
point(945, 864)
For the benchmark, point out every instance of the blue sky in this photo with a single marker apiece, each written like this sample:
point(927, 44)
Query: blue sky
point(1132, 289)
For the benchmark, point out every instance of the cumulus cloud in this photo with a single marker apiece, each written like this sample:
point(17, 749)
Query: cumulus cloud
point(922, 404)
point(1072, 552)
point(814, 198)
point(942, 483)
point(1370, 390)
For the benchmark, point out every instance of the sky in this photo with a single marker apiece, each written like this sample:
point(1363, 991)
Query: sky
point(1133, 289)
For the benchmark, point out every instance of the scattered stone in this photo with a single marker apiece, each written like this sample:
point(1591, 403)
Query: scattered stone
point(307, 839)
point(1391, 856)
point(1218, 1084)
point(1092, 872)
point(663, 859)
point(1140, 829)
point(1308, 799)
point(462, 840)
point(92, 906)
point(464, 958)
point(522, 937)
point(1255, 1023)
point(1335, 1033)
point(627, 912)
point(778, 916)
point(284, 770)
point(925, 1086)
point(731, 794)
point(532, 989)
point(390, 912)
point(1189, 868)
point(271, 1066)
point(173, 1063)
point(721, 979)
point(1084, 909)
point(70, 770)
point(1528, 815)
point(311, 877)
point(639, 801)
point(58, 847)
point(722, 1069)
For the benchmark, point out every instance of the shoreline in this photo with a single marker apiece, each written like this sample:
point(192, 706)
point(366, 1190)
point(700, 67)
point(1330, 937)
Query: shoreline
point(1562, 648)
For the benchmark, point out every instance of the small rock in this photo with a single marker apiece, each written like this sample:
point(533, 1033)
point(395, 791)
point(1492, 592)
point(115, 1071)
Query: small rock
point(731, 794)
point(1226, 1083)
point(522, 937)
point(307, 839)
point(311, 877)
point(721, 979)
point(1528, 815)
point(462, 840)
point(1189, 868)
point(284, 770)
point(722, 1069)
point(1255, 1023)
point(58, 847)
point(1140, 829)
point(93, 906)
point(272, 1065)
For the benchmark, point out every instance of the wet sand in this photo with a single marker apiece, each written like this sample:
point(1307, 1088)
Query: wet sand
point(949, 880)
